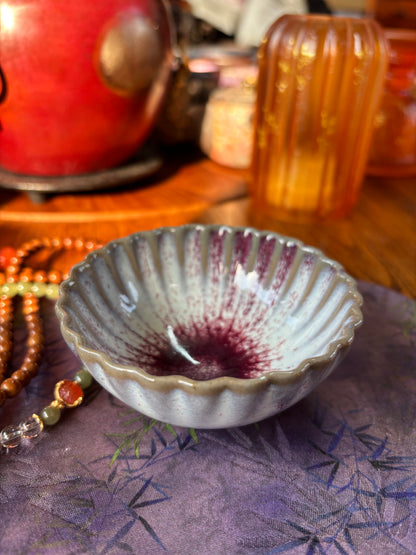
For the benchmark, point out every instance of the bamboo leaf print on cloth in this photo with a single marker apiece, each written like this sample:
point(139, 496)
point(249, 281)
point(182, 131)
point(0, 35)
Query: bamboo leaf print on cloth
point(333, 475)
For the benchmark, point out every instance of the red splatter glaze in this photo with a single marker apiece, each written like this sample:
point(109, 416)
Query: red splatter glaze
point(212, 352)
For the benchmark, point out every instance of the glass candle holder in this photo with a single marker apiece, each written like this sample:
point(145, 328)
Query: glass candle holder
point(393, 147)
point(227, 126)
point(319, 84)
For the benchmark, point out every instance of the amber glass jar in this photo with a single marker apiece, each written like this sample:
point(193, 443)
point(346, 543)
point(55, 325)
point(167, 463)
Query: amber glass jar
point(393, 149)
point(320, 80)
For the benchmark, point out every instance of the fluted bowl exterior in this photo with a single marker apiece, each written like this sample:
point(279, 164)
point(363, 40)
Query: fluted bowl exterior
point(209, 326)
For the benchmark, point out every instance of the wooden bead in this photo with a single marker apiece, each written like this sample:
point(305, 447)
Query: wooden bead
point(21, 376)
point(30, 368)
point(40, 276)
point(54, 276)
point(33, 353)
point(12, 269)
point(33, 244)
point(5, 344)
point(33, 340)
point(29, 309)
point(79, 244)
point(31, 319)
point(47, 242)
point(5, 321)
point(30, 300)
point(26, 275)
point(56, 242)
point(10, 387)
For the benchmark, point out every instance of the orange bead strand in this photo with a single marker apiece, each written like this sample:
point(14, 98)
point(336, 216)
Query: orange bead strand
point(16, 270)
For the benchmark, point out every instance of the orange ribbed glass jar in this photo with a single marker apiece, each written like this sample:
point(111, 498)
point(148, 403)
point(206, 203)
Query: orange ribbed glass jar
point(393, 147)
point(320, 80)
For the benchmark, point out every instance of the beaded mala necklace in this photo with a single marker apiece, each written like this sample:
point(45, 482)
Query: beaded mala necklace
point(17, 278)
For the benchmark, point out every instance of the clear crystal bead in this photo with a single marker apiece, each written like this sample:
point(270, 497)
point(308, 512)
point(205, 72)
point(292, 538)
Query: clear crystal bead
point(10, 437)
point(31, 427)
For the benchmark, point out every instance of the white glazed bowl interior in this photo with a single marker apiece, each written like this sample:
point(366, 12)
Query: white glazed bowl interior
point(209, 326)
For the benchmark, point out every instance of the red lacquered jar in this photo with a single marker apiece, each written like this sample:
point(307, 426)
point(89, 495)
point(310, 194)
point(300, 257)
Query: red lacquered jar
point(393, 149)
point(81, 82)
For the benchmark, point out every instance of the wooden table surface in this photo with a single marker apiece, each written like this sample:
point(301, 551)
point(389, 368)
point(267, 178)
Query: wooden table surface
point(376, 243)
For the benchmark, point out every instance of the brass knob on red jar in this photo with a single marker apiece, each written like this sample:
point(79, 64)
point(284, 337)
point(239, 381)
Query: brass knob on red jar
point(131, 55)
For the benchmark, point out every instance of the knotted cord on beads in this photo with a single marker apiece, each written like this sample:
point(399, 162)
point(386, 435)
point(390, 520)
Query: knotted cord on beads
point(17, 278)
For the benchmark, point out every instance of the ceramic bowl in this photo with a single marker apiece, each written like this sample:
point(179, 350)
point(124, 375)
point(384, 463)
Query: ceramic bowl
point(209, 326)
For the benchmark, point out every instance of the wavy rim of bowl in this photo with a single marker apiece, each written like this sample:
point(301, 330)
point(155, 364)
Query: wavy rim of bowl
point(215, 385)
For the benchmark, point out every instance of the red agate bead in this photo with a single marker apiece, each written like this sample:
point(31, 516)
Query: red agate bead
point(68, 393)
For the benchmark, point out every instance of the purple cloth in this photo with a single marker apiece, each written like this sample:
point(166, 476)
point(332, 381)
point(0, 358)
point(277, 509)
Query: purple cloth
point(334, 474)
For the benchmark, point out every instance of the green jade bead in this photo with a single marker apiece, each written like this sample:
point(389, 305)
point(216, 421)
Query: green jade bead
point(9, 289)
point(52, 292)
point(22, 288)
point(83, 378)
point(50, 415)
point(39, 289)
point(49, 290)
